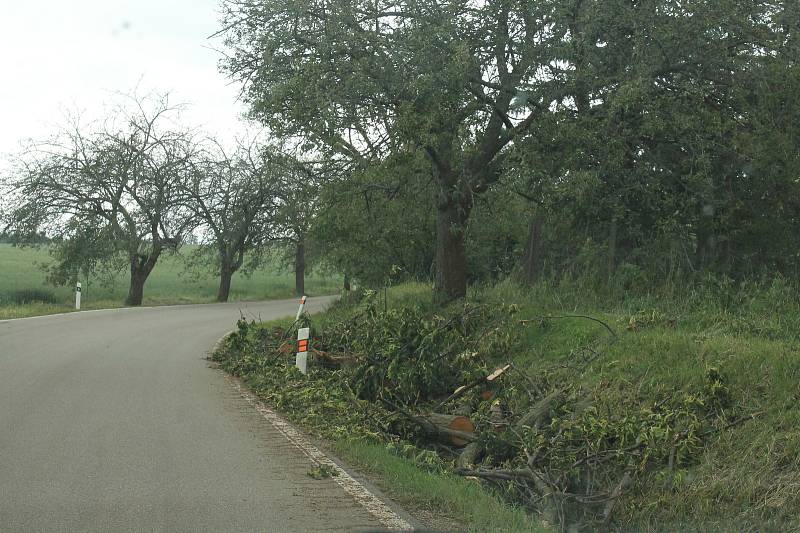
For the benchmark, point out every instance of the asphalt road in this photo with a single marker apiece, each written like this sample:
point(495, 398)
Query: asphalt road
point(113, 421)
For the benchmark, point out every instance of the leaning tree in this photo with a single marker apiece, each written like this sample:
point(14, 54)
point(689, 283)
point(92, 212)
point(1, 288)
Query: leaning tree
point(123, 178)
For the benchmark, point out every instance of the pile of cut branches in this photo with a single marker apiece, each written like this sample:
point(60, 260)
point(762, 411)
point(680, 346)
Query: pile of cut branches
point(441, 383)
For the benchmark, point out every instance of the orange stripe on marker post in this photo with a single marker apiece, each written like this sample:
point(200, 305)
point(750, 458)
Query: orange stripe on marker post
point(301, 359)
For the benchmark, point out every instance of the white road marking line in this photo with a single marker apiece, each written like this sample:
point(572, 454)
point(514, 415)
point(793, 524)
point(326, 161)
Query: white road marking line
point(374, 505)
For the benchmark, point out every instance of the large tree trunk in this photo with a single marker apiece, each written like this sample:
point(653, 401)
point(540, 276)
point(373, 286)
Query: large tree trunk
point(533, 252)
point(141, 266)
point(136, 290)
point(300, 268)
point(451, 258)
point(139, 273)
point(225, 276)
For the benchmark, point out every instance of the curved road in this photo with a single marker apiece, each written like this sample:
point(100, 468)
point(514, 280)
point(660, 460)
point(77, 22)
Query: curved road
point(113, 421)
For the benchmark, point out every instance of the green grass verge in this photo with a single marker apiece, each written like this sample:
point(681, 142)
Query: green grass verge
point(746, 477)
point(464, 501)
point(742, 477)
point(169, 284)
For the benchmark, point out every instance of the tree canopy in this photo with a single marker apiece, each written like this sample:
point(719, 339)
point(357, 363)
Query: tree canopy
point(458, 141)
point(116, 187)
point(642, 126)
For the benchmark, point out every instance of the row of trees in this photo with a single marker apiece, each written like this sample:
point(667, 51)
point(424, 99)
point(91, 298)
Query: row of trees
point(661, 135)
point(459, 140)
point(123, 192)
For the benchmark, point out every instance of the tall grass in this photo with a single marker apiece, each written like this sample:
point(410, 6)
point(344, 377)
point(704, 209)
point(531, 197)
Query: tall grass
point(768, 308)
point(748, 476)
point(465, 501)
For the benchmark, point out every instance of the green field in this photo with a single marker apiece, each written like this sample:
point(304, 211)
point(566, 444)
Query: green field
point(21, 270)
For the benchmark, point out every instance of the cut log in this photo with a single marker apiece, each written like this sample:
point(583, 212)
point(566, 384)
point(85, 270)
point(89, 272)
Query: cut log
point(334, 361)
point(496, 417)
point(541, 409)
point(458, 430)
point(469, 455)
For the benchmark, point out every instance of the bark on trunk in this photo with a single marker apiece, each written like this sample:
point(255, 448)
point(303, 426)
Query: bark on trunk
point(540, 410)
point(533, 252)
point(225, 276)
point(300, 269)
point(451, 258)
point(139, 273)
point(346, 282)
point(136, 290)
point(141, 266)
point(458, 430)
point(470, 455)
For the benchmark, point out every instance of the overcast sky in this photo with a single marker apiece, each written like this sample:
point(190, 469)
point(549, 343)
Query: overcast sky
point(60, 55)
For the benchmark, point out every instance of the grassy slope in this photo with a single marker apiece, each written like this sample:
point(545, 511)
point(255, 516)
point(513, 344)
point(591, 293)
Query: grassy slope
point(168, 284)
point(747, 477)
point(464, 502)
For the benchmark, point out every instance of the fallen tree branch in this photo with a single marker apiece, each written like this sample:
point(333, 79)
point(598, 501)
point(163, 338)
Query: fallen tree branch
point(519, 473)
point(738, 421)
point(546, 490)
point(629, 449)
point(540, 409)
point(491, 378)
point(469, 455)
point(436, 424)
point(623, 484)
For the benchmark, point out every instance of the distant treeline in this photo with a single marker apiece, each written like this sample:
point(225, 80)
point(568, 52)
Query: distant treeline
point(36, 238)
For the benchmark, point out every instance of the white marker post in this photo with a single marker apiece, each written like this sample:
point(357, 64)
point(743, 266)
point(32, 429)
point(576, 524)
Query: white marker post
point(300, 310)
point(301, 361)
point(78, 296)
